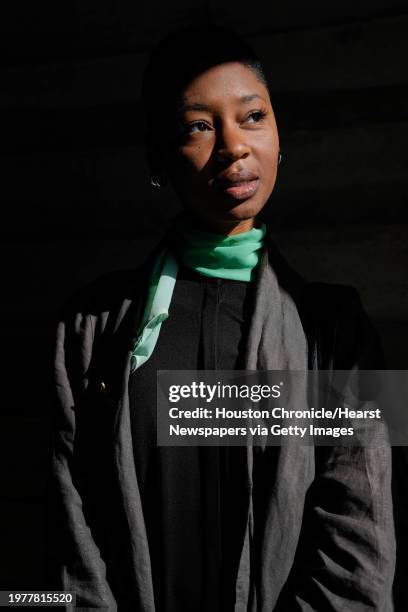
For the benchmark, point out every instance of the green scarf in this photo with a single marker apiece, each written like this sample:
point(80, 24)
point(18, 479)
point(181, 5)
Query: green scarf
point(233, 257)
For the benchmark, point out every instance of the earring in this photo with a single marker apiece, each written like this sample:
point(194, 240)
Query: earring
point(158, 180)
point(155, 181)
point(279, 158)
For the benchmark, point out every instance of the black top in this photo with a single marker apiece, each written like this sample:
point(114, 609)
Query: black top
point(192, 497)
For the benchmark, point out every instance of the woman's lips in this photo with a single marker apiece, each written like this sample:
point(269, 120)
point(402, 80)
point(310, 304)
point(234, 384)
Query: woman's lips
point(240, 190)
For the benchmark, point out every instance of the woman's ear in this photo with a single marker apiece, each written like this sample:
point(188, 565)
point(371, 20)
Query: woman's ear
point(154, 154)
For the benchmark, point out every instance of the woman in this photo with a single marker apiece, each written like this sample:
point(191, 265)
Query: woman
point(149, 528)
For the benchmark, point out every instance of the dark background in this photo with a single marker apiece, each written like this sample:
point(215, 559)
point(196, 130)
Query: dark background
point(76, 200)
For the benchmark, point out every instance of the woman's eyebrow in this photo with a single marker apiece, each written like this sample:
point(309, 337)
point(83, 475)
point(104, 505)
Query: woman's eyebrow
point(197, 106)
point(250, 97)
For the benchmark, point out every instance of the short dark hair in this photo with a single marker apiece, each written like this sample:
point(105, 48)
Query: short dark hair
point(186, 53)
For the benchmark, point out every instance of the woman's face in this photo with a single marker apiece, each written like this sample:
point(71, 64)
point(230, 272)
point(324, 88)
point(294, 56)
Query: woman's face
point(223, 163)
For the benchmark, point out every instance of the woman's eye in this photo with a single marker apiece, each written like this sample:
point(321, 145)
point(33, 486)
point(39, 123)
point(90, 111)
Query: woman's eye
point(256, 116)
point(198, 126)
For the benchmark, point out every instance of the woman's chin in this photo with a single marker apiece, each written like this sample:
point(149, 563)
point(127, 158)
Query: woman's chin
point(225, 210)
point(241, 210)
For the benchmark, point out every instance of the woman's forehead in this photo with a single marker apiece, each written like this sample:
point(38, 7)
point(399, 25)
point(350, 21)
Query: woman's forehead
point(234, 81)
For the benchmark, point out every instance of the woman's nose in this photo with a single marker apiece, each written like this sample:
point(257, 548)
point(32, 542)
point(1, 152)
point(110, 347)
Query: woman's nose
point(231, 145)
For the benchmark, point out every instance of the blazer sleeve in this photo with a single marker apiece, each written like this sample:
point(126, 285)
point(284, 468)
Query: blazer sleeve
point(345, 559)
point(74, 561)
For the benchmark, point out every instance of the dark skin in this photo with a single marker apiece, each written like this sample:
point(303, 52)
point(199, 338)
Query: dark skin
point(223, 161)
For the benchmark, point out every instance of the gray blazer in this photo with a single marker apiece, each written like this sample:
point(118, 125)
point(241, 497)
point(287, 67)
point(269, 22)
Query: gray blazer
point(320, 532)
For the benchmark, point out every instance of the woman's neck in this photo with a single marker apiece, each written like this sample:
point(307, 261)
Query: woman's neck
point(225, 229)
